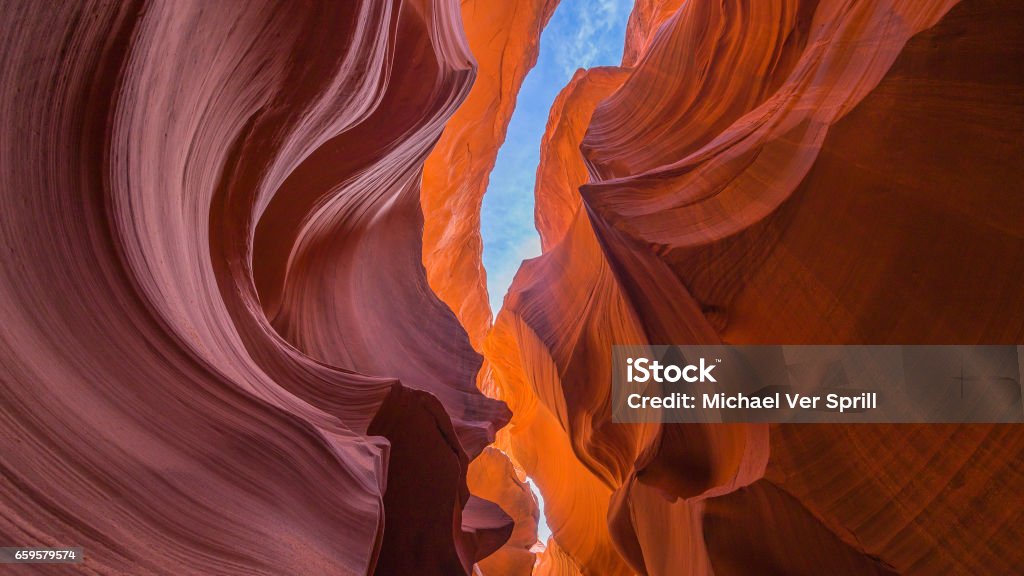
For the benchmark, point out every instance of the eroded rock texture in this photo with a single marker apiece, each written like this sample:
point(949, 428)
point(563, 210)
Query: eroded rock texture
point(244, 323)
point(504, 37)
point(212, 248)
point(774, 172)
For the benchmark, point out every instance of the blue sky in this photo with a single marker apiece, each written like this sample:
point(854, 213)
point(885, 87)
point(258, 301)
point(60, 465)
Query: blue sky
point(581, 34)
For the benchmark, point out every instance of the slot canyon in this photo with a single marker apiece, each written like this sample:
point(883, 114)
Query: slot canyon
point(246, 325)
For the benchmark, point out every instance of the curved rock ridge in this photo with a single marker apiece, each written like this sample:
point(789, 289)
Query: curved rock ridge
point(555, 562)
point(576, 501)
point(492, 476)
point(773, 172)
point(644, 22)
point(562, 171)
point(505, 39)
point(212, 245)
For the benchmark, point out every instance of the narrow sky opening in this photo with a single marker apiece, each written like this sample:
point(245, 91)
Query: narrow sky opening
point(581, 34)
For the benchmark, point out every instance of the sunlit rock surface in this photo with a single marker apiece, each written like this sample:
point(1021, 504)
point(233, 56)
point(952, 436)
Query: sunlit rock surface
point(765, 172)
point(493, 477)
point(562, 170)
point(644, 21)
point(505, 39)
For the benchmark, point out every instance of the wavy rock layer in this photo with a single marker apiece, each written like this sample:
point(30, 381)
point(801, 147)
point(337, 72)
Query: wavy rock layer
point(783, 171)
point(644, 21)
point(212, 239)
point(493, 477)
point(505, 38)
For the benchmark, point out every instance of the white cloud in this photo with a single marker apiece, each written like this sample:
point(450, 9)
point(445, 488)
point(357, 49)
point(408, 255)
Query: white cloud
point(584, 42)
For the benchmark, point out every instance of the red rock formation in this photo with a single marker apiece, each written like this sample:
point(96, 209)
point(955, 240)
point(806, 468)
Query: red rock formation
point(562, 170)
point(211, 224)
point(576, 501)
point(493, 477)
point(820, 172)
point(239, 337)
point(505, 39)
point(644, 21)
point(555, 562)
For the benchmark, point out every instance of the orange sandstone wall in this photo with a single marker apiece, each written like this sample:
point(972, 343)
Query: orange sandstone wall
point(783, 171)
point(644, 21)
point(504, 38)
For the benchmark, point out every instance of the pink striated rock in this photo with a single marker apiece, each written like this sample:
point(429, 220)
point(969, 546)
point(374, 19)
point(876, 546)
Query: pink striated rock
point(212, 242)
